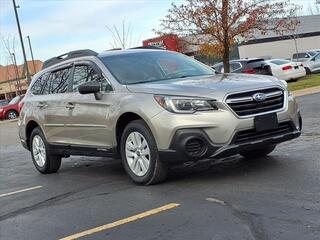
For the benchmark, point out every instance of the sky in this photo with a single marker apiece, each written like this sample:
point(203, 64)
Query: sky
point(59, 26)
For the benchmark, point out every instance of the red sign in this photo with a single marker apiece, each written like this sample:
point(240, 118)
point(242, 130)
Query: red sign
point(168, 42)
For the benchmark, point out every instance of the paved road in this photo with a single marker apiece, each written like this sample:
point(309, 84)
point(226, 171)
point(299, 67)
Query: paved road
point(276, 197)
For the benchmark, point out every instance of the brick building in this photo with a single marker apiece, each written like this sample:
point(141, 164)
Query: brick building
point(13, 81)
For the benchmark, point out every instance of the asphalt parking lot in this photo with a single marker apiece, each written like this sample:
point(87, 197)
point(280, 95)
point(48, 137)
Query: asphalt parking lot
point(276, 197)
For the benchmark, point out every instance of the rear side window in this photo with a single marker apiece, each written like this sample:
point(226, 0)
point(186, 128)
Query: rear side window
point(300, 55)
point(59, 81)
point(39, 83)
point(256, 64)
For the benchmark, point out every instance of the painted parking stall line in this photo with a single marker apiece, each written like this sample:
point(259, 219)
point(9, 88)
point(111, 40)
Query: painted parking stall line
point(20, 191)
point(122, 221)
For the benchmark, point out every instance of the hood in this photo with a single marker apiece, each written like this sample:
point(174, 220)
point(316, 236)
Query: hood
point(207, 86)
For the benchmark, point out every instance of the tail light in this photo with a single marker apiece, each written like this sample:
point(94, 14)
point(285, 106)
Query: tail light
point(301, 65)
point(249, 71)
point(286, 68)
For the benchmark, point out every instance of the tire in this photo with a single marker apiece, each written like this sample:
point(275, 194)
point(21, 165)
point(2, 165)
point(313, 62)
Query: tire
point(257, 153)
point(45, 162)
point(12, 114)
point(135, 159)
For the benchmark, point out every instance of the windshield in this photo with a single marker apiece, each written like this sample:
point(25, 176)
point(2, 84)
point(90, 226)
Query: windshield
point(312, 53)
point(141, 67)
point(14, 100)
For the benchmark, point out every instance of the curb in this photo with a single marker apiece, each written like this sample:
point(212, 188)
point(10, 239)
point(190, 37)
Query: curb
point(9, 121)
point(306, 91)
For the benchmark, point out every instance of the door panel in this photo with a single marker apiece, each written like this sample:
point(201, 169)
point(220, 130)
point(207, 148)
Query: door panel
point(55, 117)
point(88, 123)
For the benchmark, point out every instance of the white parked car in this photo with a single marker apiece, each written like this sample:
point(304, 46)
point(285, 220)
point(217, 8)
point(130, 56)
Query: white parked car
point(313, 64)
point(286, 70)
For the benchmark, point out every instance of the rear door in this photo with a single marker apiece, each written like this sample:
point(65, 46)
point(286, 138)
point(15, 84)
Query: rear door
point(53, 105)
point(88, 123)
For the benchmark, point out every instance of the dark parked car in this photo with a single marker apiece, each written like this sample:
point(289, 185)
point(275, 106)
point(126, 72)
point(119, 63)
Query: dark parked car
point(11, 110)
point(250, 66)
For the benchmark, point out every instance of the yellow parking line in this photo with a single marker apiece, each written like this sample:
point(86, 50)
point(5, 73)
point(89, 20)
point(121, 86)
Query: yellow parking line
point(19, 191)
point(122, 221)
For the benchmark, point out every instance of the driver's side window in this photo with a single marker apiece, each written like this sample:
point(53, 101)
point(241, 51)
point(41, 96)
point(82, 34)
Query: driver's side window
point(86, 73)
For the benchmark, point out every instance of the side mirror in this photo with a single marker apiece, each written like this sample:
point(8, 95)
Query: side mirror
point(91, 87)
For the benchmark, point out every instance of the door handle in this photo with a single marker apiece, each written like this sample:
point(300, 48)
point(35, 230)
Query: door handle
point(70, 105)
point(41, 104)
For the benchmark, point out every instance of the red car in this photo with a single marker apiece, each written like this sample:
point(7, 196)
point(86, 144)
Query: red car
point(11, 111)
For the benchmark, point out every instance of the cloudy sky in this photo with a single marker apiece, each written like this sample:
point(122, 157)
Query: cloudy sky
point(58, 26)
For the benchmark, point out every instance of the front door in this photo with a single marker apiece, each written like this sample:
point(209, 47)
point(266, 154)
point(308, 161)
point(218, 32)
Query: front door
point(88, 124)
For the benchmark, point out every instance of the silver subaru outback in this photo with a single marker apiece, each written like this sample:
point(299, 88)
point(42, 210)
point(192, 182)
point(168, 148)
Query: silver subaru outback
point(153, 108)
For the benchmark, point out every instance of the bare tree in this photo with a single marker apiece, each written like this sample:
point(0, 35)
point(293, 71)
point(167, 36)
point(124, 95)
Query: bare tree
point(315, 8)
point(9, 43)
point(216, 25)
point(122, 37)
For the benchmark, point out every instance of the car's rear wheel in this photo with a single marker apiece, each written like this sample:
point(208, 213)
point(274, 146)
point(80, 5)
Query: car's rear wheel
point(140, 156)
point(12, 114)
point(257, 153)
point(42, 158)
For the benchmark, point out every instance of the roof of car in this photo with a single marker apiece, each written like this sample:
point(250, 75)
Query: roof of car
point(61, 59)
point(129, 51)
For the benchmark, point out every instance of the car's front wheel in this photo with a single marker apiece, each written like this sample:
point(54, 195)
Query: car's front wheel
point(140, 156)
point(43, 159)
point(257, 153)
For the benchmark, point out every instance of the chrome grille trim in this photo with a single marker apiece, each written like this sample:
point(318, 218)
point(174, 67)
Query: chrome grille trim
point(243, 105)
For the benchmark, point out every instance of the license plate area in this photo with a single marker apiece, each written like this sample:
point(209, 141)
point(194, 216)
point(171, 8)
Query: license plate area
point(266, 122)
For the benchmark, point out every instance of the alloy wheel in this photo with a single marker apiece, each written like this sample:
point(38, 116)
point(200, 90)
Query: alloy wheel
point(39, 150)
point(137, 153)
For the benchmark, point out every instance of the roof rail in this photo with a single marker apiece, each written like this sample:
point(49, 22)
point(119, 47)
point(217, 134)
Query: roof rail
point(148, 47)
point(69, 55)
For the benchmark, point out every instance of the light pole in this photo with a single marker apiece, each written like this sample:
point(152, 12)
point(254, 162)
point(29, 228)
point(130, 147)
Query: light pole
point(34, 66)
point(17, 72)
point(21, 41)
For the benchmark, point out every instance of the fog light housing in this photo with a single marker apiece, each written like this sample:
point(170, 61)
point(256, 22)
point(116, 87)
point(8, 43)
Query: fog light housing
point(195, 147)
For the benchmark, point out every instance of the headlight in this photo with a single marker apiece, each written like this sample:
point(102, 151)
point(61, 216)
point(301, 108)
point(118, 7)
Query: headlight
point(185, 105)
point(1, 109)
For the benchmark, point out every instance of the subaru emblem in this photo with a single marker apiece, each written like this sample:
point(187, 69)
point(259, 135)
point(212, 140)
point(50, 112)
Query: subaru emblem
point(259, 97)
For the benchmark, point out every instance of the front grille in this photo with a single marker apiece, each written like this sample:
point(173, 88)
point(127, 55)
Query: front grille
point(194, 147)
point(243, 104)
point(252, 135)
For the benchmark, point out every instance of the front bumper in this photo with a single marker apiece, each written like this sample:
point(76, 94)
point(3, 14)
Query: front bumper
point(218, 130)
point(179, 151)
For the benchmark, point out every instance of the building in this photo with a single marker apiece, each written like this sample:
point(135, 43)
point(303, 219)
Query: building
point(13, 81)
point(305, 37)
